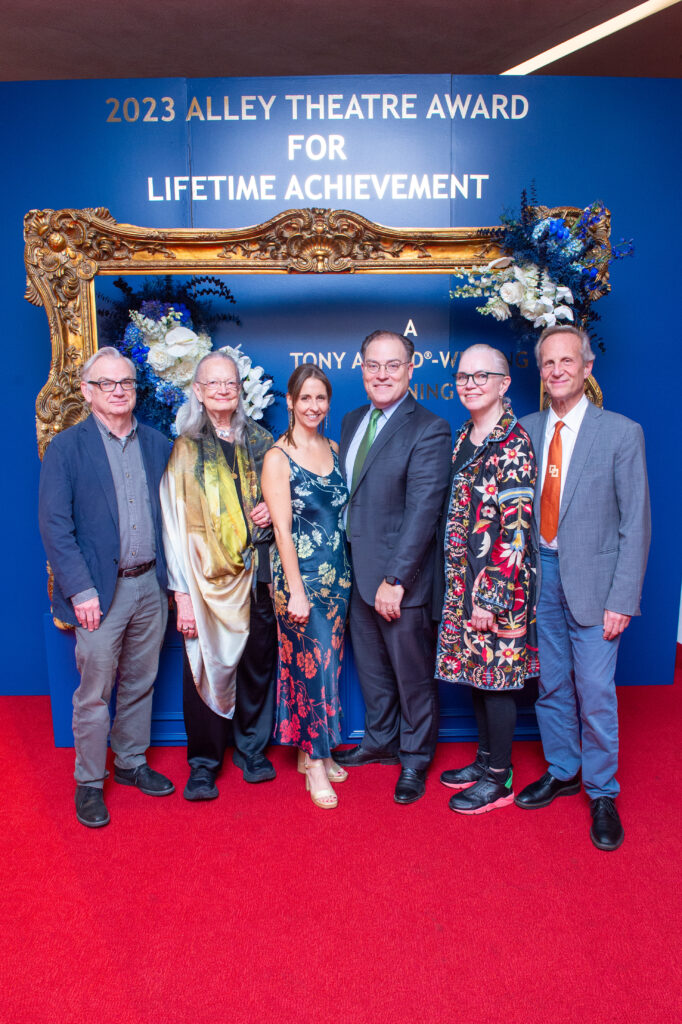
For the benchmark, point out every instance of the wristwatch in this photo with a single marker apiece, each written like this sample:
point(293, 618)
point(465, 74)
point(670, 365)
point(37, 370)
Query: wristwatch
point(392, 581)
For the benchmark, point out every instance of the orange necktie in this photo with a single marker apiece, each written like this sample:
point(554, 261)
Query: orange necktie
point(551, 489)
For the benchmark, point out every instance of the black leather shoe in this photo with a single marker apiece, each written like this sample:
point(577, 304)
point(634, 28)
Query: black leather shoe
point(607, 830)
point(145, 778)
point(462, 778)
point(356, 756)
point(255, 769)
point(546, 789)
point(410, 786)
point(90, 807)
point(200, 784)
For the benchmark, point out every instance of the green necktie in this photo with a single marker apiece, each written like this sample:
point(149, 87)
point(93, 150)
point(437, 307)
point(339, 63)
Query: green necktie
point(365, 445)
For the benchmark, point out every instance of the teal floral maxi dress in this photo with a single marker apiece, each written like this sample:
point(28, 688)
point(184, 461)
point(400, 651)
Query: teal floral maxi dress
point(310, 654)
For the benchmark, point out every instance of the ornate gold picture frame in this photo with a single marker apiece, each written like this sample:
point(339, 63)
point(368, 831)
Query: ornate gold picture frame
point(66, 249)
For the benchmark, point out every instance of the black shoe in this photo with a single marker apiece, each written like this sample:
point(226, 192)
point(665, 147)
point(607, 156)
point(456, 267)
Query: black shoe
point(145, 778)
point(491, 791)
point(607, 830)
point(462, 778)
point(411, 785)
point(546, 789)
point(255, 769)
point(200, 784)
point(356, 756)
point(90, 807)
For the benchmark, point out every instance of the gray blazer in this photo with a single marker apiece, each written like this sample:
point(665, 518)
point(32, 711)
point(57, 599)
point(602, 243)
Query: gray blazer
point(604, 519)
point(398, 500)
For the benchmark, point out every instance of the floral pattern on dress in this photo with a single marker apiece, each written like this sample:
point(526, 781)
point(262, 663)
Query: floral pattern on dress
point(310, 654)
point(488, 561)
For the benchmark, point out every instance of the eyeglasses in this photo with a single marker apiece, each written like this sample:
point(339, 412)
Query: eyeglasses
point(107, 386)
point(391, 367)
point(213, 386)
point(480, 377)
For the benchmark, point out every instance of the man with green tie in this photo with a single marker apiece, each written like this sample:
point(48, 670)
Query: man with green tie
point(396, 457)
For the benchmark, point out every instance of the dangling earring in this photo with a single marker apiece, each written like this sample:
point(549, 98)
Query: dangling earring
point(326, 424)
point(291, 419)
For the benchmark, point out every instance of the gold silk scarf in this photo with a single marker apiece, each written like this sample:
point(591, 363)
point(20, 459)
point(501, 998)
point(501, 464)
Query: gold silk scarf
point(209, 551)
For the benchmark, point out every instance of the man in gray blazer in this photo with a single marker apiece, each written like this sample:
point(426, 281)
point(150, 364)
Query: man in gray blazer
point(593, 522)
point(396, 457)
point(100, 521)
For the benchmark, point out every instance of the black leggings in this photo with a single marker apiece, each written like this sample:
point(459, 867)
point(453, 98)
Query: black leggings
point(495, 712)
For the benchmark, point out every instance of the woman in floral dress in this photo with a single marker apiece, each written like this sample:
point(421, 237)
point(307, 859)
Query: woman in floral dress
point(484, 637)
point(306, 494)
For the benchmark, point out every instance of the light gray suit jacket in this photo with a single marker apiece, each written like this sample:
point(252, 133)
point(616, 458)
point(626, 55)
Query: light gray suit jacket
point(604, 519)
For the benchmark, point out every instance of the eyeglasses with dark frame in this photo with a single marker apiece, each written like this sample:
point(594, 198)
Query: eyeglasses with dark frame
point(107, 386)
point(213, 386)
point(391, 367)
point(479, 377)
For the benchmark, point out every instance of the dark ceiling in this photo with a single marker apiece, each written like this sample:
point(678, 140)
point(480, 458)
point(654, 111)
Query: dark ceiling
point(43, 39)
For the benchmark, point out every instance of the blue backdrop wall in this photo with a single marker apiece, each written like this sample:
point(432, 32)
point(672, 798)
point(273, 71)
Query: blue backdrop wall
point(231, 152)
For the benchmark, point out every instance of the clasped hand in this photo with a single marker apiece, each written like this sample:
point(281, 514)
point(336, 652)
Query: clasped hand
point(482, 619)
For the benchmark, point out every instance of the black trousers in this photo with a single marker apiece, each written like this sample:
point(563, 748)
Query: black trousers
point(250, 731)
point(495, 712)
point(395, 663)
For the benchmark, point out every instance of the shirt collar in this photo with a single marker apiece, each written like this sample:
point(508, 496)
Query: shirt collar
point(572, 419)
point(105, 432)
point(390, 409)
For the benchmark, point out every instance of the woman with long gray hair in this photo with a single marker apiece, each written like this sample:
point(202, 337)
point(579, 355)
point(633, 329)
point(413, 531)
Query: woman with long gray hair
point(217, 533)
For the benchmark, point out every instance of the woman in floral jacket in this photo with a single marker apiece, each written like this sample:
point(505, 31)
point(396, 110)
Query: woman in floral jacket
point(483, 640)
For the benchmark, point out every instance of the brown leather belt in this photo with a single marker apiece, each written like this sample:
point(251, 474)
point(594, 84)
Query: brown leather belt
point(137, 570)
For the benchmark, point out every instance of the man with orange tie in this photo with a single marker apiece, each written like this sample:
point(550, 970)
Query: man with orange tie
point(594, 528)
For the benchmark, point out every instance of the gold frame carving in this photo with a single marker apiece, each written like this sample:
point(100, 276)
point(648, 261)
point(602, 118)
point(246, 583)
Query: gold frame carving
point(66, 249)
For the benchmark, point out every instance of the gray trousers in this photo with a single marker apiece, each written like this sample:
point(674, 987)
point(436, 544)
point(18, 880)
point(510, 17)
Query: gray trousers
point(127, 642)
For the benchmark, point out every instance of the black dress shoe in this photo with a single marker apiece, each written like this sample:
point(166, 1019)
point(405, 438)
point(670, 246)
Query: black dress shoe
point(145, 779)
point(356, 756)
point(200, 784)
point(546, 789)
point(607, 830)
point(255, 769)
point(90, 807)
point(410, 786)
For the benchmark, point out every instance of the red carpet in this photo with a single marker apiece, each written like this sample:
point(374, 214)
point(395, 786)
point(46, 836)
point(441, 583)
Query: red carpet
point(261, 908)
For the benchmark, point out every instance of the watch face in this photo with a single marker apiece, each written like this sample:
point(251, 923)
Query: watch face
point(392, 581)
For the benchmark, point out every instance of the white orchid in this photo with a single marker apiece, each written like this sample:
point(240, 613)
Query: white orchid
point(254, 390)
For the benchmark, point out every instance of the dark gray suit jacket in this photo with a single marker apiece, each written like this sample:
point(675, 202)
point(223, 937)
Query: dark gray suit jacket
point(604, 519)
point(78, 512)
point(398, 500)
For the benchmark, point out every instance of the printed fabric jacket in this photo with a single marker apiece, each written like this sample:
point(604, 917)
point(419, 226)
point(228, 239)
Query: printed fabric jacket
point(488, 560)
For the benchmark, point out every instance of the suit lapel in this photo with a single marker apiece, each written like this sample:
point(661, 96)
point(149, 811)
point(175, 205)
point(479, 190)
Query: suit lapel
point(94, 448)
point(583, 445)
point(395, 423)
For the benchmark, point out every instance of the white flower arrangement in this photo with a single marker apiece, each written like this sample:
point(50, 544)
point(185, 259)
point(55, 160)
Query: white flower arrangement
point(175, 351)
point(506, 284)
